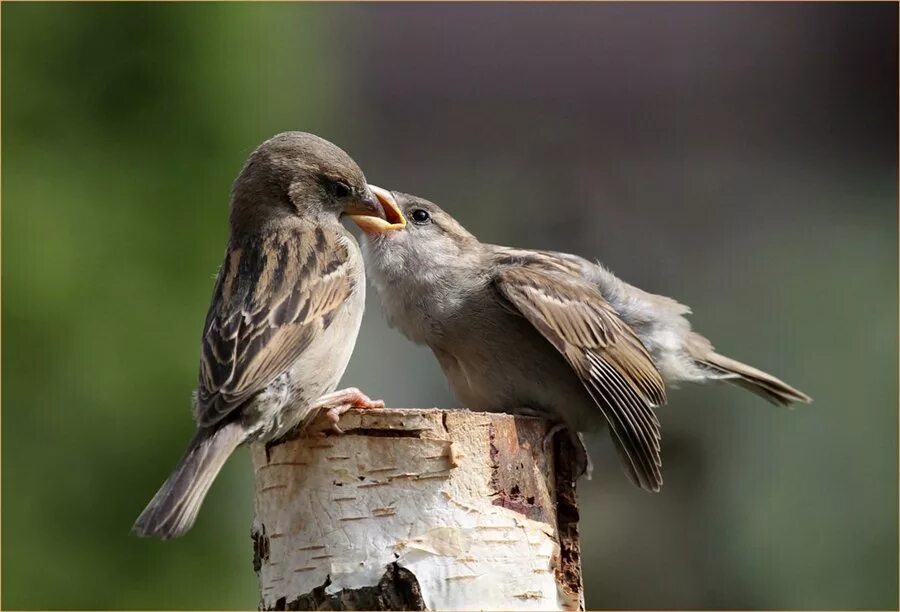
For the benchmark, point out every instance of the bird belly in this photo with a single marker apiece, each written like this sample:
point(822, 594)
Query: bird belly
point(317, 372)
point(517, 371)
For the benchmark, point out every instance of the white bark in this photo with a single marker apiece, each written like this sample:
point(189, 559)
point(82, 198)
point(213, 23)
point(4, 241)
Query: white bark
point(412, 508)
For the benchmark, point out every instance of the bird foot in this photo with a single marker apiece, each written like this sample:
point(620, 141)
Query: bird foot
point(338, 402)
point(582, 460)
point(547, 443)
point(583, 464)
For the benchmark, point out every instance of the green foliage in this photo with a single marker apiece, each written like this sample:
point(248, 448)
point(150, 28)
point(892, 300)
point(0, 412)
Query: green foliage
point(109, 249)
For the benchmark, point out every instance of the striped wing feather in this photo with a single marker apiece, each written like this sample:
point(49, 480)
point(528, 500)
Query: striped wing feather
point(604, 352)
point(273, 297)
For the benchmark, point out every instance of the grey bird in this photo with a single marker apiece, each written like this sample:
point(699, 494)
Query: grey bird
point(285, 312)
point(538, 332)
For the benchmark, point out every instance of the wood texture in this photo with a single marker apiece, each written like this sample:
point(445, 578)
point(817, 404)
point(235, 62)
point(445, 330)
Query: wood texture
point(418, 509)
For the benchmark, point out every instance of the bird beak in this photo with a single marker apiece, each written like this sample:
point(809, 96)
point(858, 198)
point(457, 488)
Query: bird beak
point(393, 219)
point(368, 205)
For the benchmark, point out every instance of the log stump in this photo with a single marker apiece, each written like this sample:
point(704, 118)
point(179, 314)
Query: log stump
point(418, 509)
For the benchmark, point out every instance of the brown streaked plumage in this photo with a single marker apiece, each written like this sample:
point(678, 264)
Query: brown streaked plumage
point(607, 357)
point(550, 333)
point(268, 308)
point(285, 312)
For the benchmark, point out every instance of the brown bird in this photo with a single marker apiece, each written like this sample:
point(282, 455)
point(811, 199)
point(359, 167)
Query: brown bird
point(543, 333)
point(285, 312)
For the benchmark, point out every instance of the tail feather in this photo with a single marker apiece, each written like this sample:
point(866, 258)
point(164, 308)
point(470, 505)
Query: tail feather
point(765, 385)
point(174, 508)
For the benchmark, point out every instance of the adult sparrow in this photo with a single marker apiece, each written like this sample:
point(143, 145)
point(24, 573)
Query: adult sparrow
point(285, 312)
point(545, 333)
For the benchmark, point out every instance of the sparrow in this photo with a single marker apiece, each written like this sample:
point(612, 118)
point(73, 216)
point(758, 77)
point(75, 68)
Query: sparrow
point(286, 308)
point(543, 333)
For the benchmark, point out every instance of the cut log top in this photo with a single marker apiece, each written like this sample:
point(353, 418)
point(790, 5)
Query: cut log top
point(416, 509)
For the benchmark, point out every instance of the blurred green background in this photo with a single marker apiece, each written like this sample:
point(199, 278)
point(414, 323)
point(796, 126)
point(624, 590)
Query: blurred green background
point(741, 158)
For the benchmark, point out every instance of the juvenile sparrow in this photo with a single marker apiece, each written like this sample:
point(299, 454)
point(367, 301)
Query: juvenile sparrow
point(544, 333)
point(286, 308)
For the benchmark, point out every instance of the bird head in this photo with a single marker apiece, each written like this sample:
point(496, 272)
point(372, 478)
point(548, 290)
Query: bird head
point(300, 174)
point(417, 242)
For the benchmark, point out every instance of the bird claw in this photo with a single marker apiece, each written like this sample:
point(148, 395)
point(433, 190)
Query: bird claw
point(584, 465)
point(547, 443)
point(582, 461)
point(335, 415)
point(337, 403)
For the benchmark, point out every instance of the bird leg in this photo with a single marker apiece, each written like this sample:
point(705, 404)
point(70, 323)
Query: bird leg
point(583, 464)
point(582, 460)
point(338, 402)
point(548, 438)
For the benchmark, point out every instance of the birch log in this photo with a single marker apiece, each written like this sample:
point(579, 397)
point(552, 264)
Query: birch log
point(418, 509)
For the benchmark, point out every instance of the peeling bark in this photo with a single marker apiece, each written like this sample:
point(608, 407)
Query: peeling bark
point(416, 509)
point(568, 571)
point(398, 589)
point(260, 546)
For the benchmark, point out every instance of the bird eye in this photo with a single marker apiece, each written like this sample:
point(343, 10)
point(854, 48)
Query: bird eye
point(420, 216)
point(340, 189)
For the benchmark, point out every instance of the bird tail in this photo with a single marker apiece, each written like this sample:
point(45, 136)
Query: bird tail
point(174, 508)
point(765, 385)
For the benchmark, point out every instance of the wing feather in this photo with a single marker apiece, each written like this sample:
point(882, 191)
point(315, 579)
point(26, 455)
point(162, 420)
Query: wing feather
point(609, 359)
point(273, 297)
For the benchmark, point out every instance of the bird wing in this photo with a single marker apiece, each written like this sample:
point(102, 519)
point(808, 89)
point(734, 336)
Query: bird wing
point(273, 297)
point(604, 352)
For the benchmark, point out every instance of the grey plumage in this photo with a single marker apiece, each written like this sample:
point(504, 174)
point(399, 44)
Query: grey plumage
point(174, 508)
point(517, 330)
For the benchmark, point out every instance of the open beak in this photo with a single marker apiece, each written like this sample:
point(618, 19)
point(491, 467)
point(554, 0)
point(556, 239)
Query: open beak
point(368, 205)
point(392, 218)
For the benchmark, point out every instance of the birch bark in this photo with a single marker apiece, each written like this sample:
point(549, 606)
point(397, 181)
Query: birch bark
point(418, 509)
